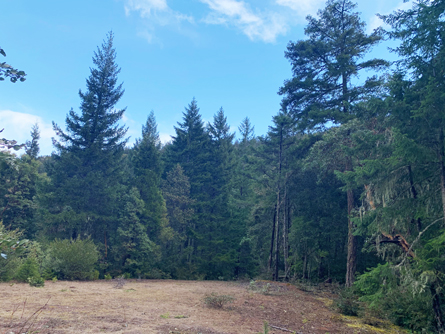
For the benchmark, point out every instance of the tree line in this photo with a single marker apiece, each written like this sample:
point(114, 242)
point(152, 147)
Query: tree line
point(348, 184)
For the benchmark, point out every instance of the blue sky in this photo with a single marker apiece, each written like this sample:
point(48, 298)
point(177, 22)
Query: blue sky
point(225, 53)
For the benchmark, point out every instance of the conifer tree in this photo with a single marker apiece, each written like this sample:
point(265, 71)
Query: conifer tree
point(87, 164)
point(322, 91)
point(32, 147)
point(146, 160)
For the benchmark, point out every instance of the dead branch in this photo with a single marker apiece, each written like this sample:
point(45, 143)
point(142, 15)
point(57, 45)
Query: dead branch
point(284, 329)
point(418, 238)
point(400, 241)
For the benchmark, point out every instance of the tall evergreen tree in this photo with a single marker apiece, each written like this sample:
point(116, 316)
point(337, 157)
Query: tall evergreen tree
point(87, 165)
point(322, 90)
point(146, 161)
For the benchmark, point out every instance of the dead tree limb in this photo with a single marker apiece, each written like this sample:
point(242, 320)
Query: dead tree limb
point(284, 329)
point(400, 241)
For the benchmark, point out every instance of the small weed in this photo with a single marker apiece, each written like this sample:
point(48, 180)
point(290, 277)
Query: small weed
point(217, 301)
point(265, 328)
point(54, 279)
point(261, 287)
point(107, 277)
point(120, 282)
point(180, 316)
point(165, 315)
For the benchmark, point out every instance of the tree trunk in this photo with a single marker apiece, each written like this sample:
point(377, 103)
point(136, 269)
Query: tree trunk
point(277, 244)
point(352, 244)
point(105, 241)
point(441, 157)
point(414, 194)
point(272, 240)
point(285, 235)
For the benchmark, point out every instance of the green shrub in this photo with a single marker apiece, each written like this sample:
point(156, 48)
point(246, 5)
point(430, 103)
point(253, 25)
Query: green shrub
point(72, 259)
point(108, 277)
point(12, 247)
point(347, 302)
point(28, 269)
point(217, 301)
point(37, 282)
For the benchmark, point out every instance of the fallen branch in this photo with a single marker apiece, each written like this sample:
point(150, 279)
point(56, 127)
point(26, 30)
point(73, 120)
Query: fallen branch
point(284, 329)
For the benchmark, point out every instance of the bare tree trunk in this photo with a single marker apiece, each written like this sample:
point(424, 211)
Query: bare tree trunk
point(352, 244)
point(414, 194)
point(441, 157)
point(285, 235)
point(105, 241)
point(272, 240)
point(277, 244)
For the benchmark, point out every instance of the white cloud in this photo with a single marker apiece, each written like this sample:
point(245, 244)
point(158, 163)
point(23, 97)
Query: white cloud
point(165, 138)
point(257, 26)
point(145, 7)
point(155, 13)
point(18, 125)
point(375, 22)
point(302, 7)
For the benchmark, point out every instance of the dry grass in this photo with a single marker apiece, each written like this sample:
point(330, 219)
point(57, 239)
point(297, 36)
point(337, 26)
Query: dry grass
point(97, 307)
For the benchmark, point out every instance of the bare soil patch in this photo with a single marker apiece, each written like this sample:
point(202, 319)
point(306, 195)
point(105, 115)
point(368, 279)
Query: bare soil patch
point(165, 306)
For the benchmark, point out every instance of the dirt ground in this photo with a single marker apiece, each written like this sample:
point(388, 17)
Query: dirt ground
point(167, 306)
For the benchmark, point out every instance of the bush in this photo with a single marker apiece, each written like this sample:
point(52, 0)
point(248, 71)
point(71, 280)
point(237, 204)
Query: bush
point(72, 259)
point(28, 269)
point(12, 247)
point(347, 302)
point(217, 301)
point(37, 282)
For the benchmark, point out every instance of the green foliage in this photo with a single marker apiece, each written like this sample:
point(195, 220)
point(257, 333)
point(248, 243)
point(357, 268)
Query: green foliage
point(218, 301)
point(396, 295)
point(266, 328)
point(37, 282)
point(323, 66)
point(12, 246)
point(7, 71)
point(108, 277)
point(86, 175)
point(347, 302)
point(32, 147)
point(73, 259)
point(28, 270)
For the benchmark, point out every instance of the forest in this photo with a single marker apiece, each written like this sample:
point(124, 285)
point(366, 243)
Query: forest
point(347, 186)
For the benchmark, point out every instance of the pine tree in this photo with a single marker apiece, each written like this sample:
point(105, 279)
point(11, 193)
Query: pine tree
point(87, 166)
point(146, 161)
point(32, 147)
point(178, 251)
point(322, 91)
point(323, 66)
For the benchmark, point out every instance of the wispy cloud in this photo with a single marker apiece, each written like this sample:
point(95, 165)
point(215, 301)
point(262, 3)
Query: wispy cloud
point(264, 26)
point(375, 21)
point(302, 7)
point(155, 13)
point(18, 125)
point(145, 7)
